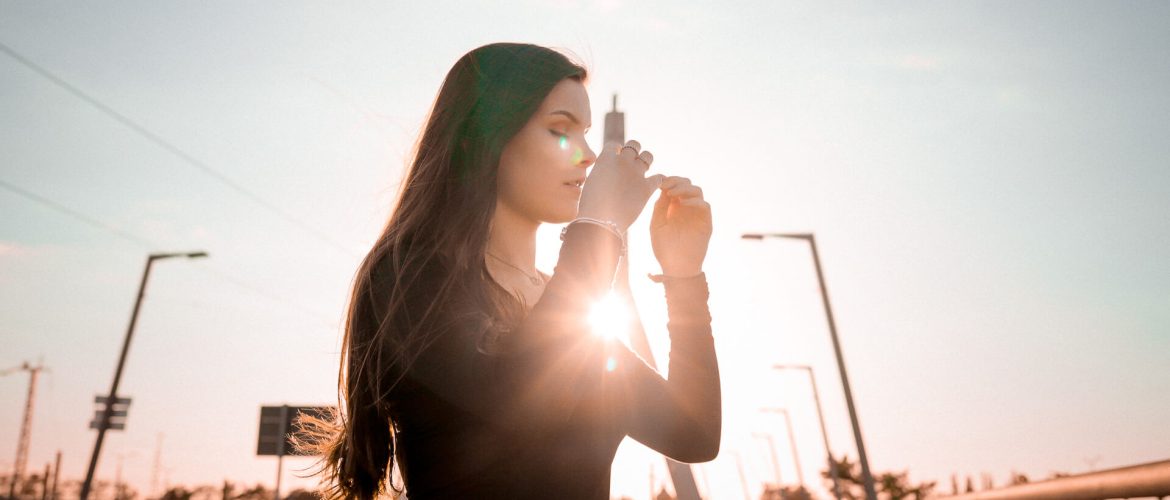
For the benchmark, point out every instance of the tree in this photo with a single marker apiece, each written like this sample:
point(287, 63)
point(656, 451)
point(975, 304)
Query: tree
point(176, 493)
point(1017, 478)
point(897, 486)
point(301, 494)
point(258, 492)
point(123, 491)
point(889, 485)
point(773, 492)
point(848, 476)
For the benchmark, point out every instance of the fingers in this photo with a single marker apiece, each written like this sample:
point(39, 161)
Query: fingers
point(646, 158)
point(687, 191)
point(694, 202)
point(652, 183)
point(660, 207)
point(630, 149)
point(680, 187)
point(673, 181)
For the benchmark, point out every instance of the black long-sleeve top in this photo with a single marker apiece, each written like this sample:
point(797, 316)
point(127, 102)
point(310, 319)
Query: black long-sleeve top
point(544, 418)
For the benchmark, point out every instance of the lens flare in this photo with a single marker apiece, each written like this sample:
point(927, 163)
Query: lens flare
point(609, 318)
point(564, 142)
point(577, 155)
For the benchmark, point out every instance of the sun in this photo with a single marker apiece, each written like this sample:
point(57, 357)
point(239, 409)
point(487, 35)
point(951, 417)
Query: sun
point(609, 318)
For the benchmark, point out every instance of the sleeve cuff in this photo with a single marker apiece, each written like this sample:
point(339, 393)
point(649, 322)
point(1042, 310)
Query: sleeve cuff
point(686, 299)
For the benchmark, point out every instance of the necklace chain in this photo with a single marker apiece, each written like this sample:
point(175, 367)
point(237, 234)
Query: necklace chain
point(537, 280)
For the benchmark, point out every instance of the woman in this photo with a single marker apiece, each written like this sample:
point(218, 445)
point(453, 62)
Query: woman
point(472, 368)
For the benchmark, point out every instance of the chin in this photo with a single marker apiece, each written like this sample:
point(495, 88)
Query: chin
point(562, 220)
point(562, 217)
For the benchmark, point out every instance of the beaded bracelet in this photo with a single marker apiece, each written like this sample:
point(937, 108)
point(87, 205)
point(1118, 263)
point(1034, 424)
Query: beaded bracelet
point(609, 225)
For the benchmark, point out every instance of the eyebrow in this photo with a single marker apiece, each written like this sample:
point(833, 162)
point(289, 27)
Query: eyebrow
point(568, 114)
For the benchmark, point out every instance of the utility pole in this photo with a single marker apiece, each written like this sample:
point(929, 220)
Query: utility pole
point(157, 463)
point(103, 422)
point(791, 441)
point(56, 475)
point(866, 476)
point(25, 426)
point(118, 478)
point(681, 475)
point(821, 418)
point(45, 482)
point(747, 494)
point(772, 449)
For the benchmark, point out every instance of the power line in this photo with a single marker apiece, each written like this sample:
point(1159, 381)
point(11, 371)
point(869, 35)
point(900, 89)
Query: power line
point(75, 214)
point(227, 278)
point(166, 145)
point(150, 246)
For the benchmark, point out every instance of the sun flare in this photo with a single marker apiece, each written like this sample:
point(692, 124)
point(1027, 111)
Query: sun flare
point(609, 318)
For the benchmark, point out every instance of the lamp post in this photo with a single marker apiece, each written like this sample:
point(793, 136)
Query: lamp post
point(821, 418)
point(772, 449)
point(791, 441)
point(747, 494)
point(867, 478)
point(104, 421)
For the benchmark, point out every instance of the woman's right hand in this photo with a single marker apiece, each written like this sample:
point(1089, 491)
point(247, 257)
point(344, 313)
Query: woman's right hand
point(617, 188)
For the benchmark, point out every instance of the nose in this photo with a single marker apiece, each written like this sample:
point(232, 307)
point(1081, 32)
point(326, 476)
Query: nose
point(588, 157)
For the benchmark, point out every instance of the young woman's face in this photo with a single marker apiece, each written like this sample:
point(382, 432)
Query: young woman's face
point(539, 166)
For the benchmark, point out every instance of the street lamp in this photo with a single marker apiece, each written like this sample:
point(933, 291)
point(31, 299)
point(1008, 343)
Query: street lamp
point(747, 494)
point(791, 441)
point(821, 418)
point(772, 448)
point(104, 421)
point(867, 478)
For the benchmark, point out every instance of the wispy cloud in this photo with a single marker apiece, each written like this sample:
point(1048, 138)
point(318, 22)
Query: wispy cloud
point(8, 249)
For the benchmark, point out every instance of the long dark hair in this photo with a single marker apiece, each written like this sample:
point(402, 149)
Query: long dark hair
point(441, 221)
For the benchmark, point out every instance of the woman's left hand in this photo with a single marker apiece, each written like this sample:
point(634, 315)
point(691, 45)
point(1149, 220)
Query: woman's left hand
point(680, 228)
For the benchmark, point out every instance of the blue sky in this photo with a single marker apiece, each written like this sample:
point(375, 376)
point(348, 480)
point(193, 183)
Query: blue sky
point(988, 183)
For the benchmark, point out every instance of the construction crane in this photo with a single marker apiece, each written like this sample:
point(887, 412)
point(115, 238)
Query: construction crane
point(26, 424)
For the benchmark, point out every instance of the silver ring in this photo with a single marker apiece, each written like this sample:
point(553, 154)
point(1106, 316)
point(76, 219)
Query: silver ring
point(643, 160)
point(631, 147)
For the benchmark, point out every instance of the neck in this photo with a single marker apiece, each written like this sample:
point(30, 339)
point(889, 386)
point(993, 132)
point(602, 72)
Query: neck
point(513, 239)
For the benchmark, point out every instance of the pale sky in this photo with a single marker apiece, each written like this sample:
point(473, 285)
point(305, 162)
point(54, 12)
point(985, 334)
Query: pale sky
point(989, 184)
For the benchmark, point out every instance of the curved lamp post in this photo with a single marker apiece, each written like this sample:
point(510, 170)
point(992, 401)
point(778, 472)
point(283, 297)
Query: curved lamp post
point(772, 449)
point(870, 493)
point(821, 418)
point(104, 421)
point(791, 442)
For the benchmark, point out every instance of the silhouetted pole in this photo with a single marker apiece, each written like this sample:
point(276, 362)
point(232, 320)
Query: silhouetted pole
point(747, 494)
point(821, 418)
point(791, 441)
point(56, 475)
point(280, 451)
point(681, 475)
point(867, 478)
point(772, 448)
point(45, 482)
point(104, 422)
